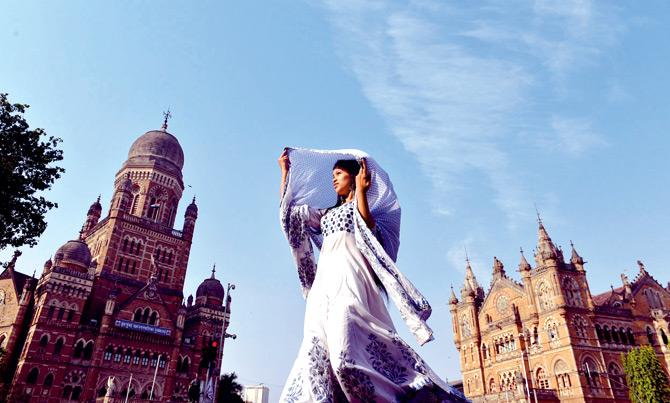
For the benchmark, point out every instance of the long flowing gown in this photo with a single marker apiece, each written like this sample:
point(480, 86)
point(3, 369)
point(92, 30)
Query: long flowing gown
point(350, 350)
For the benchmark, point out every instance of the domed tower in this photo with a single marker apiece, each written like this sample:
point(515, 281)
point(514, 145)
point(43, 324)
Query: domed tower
point(154, 165)
point(210, 292)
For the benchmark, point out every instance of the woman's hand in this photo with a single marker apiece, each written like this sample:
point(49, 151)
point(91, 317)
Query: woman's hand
point(363, 180)
point(284, 165)
point(363, 183)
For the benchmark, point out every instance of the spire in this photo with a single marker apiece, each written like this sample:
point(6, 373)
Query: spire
point(498, 269)
point(167, 115)
point(213, 271)
point(639, 263)
point(523, 264)
point(471, 280)
point(545, 246)
point(452, 299)
point(575, 258)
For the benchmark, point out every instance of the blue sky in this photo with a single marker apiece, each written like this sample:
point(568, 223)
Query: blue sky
point(479, 111)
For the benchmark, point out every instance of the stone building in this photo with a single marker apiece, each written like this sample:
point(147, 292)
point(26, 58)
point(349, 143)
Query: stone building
point(547, 338)
point(109, 305)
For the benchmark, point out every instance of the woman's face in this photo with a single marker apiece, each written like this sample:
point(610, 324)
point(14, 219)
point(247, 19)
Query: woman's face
point(342, 181)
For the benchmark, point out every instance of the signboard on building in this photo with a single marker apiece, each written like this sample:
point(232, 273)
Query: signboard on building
point(142, 327)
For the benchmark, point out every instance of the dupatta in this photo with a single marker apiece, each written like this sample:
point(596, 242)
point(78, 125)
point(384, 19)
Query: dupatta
point(309, 187)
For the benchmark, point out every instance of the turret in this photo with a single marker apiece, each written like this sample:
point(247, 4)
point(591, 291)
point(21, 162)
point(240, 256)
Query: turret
point(472, 282)
point(453, 309)
point(525, 270)
point(92, 217)
point(546, 253)
point(122, 194)
point(498, 270)
point(575, 259)
point(190, 217)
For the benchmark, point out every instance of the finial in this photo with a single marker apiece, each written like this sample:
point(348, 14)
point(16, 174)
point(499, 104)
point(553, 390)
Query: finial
point(98, 200)
point(537, 212)
point(641, 265)
point(34, 271)
point(167, 115)
point(81, 232)
point(467, 258)
point(213, 270)
point(193, 202)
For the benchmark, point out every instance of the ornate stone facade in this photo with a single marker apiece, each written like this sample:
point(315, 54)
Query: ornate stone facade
point(110, 304)
point(546, 338)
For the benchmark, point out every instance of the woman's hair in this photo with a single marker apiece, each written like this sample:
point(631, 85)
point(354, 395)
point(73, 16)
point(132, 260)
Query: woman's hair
point(352, 167)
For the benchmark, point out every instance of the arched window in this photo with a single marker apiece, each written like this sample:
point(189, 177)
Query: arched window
point(44, 340)
point(67, 392)
point(70, 315)
point(572, 293)
point(125, 244)
point(552, 330)
point(138, 248)
point(580, 326)
point(145, 359)
point(186, 364)
point(138, 315)
point(615, 335)
point(562, 375)
point(650, 336)
point(136, 357)
point(61, 312)
point(76, 392)
point(466, 331)
point(102, 392)
point(664, 338)
point(599, 332)
point(591, 372)
point(78, 349)
point(616, 376)
point(48, 380)
point(133, 209)
point(492, 385)
point(541, 379)
point(154, 360)
point(179, 361)
point(50, 312)
point(32, 376)
point(622, 336)
point(145, 315)
point(154, 206)
point(606, 334)
point(545, 295)
point(117, 354)
point(154, 318)
point(631, 337)
point(59, 345)
point(127, 356)
point(88, 350)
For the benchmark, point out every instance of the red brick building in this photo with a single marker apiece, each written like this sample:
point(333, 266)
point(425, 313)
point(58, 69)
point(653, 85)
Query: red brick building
point(110, 303)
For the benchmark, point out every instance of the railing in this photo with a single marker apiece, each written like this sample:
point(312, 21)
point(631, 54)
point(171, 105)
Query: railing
point(153, 225)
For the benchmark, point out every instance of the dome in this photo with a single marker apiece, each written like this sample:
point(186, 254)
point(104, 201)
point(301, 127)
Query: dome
point(211, 287)
point(76, 251)
point(157, 145)
point(192, 209)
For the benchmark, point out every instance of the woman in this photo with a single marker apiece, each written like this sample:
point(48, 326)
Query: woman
point(350, 350)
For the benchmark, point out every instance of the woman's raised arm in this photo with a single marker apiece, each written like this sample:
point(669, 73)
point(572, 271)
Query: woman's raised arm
point(363, 183)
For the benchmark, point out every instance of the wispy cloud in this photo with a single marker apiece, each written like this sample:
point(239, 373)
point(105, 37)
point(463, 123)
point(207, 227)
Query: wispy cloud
point(456, 84)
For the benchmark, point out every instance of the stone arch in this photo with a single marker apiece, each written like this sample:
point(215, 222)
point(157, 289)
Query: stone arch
point(562, 374)
point(572, 292)
point(48, 380)
point(541, 379)
point(88, 350)
point(44, 340)
point(32, 376)
point(591, 370)
point(650, 336)
point(545, 295)
point(78, 348)
point(58, 346)
point(616, 376)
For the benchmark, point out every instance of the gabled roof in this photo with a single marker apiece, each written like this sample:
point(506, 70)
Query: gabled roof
point(608, 297)
point(18, 279)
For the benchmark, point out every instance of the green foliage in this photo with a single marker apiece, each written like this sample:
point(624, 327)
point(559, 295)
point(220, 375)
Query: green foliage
point(647, 380)
point(229, 390)
point(26, 170)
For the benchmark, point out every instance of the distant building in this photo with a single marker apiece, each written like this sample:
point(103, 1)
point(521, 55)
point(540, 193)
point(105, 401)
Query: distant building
point(256, 394)
point(547, 337)
point(110, 303)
